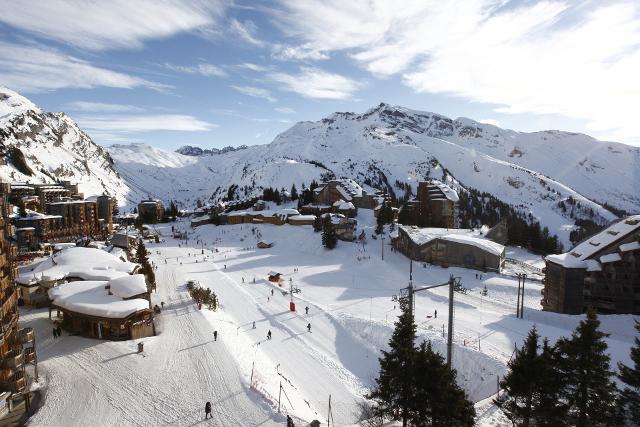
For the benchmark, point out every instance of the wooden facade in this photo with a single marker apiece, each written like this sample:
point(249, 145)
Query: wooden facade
point(436, 205)
point(603, 273)
point(134, 326)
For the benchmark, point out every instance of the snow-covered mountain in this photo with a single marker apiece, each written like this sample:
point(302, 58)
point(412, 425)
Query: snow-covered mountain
point(190, 150)
point(390, 147)
point(38, 146)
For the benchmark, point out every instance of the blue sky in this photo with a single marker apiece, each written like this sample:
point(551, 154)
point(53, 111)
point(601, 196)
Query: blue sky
point(217, 73)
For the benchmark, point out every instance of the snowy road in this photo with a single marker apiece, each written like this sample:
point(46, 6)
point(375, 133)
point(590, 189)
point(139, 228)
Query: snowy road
point(106, 383)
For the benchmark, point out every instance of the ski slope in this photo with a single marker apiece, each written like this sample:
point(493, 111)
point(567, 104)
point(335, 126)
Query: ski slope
point(349, 294)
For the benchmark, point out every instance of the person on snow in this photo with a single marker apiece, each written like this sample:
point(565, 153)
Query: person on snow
point(59, 330)
point(55, 333)
point(306, 310)
point(271, 292)
point(162, 304)
point(309, 327)
point(243, 280)
point(269, 334)
point(254, 324)
point(290, 422)
point(207, 410)
point(215, 335)
point(435, 314)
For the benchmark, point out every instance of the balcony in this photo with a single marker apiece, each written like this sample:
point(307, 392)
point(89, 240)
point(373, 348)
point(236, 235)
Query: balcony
point(16, 383)
point(12, 360)
point(26, 335)
point(29, 355)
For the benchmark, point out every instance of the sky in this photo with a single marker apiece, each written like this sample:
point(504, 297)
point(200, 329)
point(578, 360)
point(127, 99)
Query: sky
point(217, 73)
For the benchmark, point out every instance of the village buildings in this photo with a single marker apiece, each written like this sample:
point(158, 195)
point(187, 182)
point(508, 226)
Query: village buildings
point(17, 346)
point(436, 205)
point(118, 309)
point(602, 272)
point(151, 211)
point(446, 247)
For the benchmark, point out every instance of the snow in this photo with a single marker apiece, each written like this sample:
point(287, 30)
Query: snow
point(610, 258)
point(632, 246)
point(128, 286)
point(448, 192)
point(348, 291)
point(91, 298)
point(576, 257)
point(297, 218)
point(421, 236)
point(593, 265)
point(84, 263)
point(484, 244)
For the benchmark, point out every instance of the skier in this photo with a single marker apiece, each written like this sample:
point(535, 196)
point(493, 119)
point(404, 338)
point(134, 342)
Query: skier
point(306, 310)
point(207, 410)
point(269, 334)
point(215, 335)
point(309, 327)
point(254, 324)
point(59, 330)
point(55, 333)
point(162, 304)
point(271, 292)
point(435, 314)
point(243, 280)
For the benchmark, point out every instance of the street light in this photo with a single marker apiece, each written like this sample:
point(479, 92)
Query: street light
point(382, 246)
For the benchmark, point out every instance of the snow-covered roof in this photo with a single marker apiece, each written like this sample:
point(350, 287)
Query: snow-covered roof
point(238, 213)
point(632, 246)
point(61, 246)
point(484, 244)
point(84, 263)
point(610, 258)
point(302, 218)
point(289, 211)
point(91, 298)
point(448, 192)
point(25, 229)
point(585, 250)
point(346, 206)
point(421, 236)
point(128, 286)
point(593, 265)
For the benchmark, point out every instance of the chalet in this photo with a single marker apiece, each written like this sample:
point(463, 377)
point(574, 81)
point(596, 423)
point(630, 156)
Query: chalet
point(118, 309)
point(151, 211)
point(347, 209)
point(274, 276)
point(314, 209)
point(602, 272)
point(449, 247)
point(327, 193)
point(436, 205)
point(301, 220)
point(69, 265)
point(343, 227)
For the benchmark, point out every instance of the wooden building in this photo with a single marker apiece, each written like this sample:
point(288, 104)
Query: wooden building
point(602, 272)
point(115, 310)
point(435, 205)
point(447, 247)
point(17, 347)
point(151, 211)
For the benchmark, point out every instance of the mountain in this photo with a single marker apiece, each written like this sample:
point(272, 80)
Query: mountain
point(539, 173)
point(190, 150)
point(40, 147)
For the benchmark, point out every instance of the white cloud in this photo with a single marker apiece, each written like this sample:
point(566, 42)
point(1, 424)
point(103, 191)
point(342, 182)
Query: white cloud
point(284, 110)
point(204, 69)
point(99, 25)
point(298, 53)
point(101, 107)
point(32, 68)
point(316, 83)
point(252, 67)
point(490, 122)
point(145, 123)
point(245, 30)
point(256, 92)
point(547, 57)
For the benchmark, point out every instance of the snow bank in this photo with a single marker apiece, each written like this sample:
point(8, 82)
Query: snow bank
point(128, 286)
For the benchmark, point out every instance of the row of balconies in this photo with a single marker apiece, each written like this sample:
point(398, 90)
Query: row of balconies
point(16, 382)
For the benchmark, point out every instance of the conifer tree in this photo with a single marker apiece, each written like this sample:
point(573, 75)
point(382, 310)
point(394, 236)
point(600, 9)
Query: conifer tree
point(394, 389)
point(548, 409)
point(329, 239)
point(630, 375)
point(141, 253)
point(589, 392)
point(294, 192)
point(438, 400)
point(519, 383)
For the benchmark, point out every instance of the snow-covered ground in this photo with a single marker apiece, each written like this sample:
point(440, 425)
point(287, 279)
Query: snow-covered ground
point(349, 294)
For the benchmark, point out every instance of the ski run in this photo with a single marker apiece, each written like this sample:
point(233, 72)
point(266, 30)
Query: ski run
point(348, 292)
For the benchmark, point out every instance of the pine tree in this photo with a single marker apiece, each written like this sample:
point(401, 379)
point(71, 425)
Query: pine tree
point(329, 239)
point(294, 192)
point(548, 410)
point(589, 391)
point(519, 383)
point(630, 396)
point(438, 400)
point(141, 254)
point(394, 389)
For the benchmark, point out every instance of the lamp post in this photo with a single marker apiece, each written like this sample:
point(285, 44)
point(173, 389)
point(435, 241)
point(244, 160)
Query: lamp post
point(382, 246)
